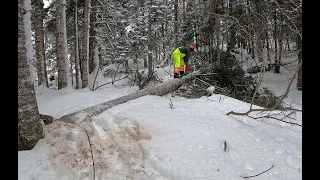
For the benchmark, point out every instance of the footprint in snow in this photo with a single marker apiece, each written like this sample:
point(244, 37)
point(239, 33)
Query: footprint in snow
point(289, 151)
point(278, 152)
point(249, 166)
point(206, 134)
point(280, 139)
point(200, 146)
point(162, 157)
point(293, 162)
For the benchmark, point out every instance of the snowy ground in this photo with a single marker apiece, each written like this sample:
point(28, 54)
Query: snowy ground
point(146, 139)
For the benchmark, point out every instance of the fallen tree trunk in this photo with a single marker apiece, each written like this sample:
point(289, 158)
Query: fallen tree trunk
point(159, 89)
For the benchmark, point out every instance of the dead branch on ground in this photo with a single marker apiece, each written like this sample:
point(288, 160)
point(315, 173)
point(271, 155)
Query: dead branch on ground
point(94, 171)
point(111, 82)
point(273, 165)
point(278, 102)
point(282, 119)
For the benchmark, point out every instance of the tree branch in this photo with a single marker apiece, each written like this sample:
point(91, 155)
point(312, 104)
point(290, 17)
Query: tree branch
point(273, 165)
point(94, 171)
point(110, 82)
point(268, 116)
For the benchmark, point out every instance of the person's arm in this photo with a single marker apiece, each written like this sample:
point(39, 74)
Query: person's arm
point(185, 51)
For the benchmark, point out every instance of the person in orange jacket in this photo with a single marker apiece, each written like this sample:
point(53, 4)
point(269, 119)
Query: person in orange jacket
point(181, 58)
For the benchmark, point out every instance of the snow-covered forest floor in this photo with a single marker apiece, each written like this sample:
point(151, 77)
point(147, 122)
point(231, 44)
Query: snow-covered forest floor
point(147, 139)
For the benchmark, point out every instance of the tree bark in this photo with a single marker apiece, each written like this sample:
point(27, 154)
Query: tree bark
point(150, 69)
point(299, 44)
point(39, 41)
point(93, 48)
point(299, 83)
point(71, 66)
point(275, 37)
point(85, 45)
point(259, 31)
point(61, 42)
point(281, 38)
point(232, 40)
point(30, 127)
point(100, 57)
point(184, 11)
point(92, 38)
point(159, 89)
point(288, 45)
point(268, 45)
point(252, 43)
point(76, 45)
point(175, 6)
point(145, 62)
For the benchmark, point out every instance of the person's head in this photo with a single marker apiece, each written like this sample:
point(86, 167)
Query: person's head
point(192, 47)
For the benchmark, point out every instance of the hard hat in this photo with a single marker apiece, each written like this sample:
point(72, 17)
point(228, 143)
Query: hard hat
point(192, 47)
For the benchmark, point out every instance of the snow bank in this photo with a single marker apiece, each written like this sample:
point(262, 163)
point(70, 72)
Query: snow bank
point(146, 139)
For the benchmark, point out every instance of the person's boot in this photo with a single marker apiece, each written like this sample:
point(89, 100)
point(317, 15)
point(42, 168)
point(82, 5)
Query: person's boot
point(176, 75)
point(181, 73)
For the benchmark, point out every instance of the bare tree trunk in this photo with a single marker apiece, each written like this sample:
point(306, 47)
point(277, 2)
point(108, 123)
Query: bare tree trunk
point(259, 48)
point(165, 31)
point(175, 6)
point(275, 37)
point(268, 45)
point(280, 38)
point(39, 41)
point(76, 45)
point(299, 83)
point(232, 41)
point(164, 44)
point(210, 47)
point(61, 42)
point(100, 57)
point(299, 44)
point(288, 45)
point(184, 11)
point(30, 126)
point(196, 35)
point(92, 38)
point(71, 66)
point(150, 71)
point(218, 38)
point(159, 89)
point(93, 48)
point(85, 45)
point(259, 42)
point(252, 43)
point(20, 145)
point(145, 62)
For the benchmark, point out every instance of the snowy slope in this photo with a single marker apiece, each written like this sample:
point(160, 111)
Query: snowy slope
point(187, 141)
point(146, 139)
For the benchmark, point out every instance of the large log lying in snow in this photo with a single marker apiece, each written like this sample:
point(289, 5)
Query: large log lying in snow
point(159, 89)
